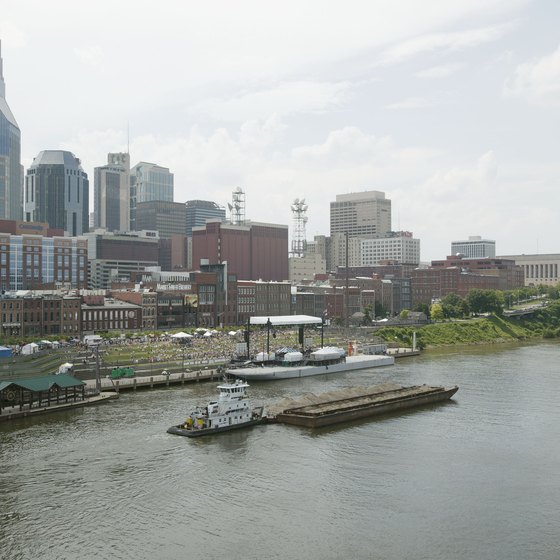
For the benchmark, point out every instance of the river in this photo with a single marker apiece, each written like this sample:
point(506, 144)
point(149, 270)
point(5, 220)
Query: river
point(475, 478)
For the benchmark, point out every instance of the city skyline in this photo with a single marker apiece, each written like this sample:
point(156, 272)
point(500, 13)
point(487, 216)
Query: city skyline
point(448, 110)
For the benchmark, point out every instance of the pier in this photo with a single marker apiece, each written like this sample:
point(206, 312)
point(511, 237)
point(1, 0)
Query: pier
point(151, 381)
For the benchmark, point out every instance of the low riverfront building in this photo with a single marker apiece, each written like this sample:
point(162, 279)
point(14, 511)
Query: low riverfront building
point(23, 397)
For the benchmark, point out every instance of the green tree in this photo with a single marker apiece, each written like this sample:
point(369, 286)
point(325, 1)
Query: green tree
point(422, 308)
point(367, 315)
point(436, 312)
point(486, 301)
point(404, 314)
point(454, 306)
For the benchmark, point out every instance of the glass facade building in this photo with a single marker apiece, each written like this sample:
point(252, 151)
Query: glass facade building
point(10, 159)
point(57, 192)
point(198, 211)
point(148, 182)
point(112, 193)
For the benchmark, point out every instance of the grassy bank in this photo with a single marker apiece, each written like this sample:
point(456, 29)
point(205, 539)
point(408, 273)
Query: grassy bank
point(545, 323)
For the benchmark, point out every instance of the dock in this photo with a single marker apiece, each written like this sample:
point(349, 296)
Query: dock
point(151, 381)
point(12, 413)
point(338, 407)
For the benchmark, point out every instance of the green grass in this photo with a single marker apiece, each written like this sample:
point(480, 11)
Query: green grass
point(544, 324)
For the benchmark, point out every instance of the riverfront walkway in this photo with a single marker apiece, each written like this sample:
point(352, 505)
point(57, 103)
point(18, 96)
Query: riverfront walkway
point(151, 381)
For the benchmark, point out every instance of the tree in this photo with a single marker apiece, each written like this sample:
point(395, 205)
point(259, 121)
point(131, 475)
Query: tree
point(436, 312)
point(404, 314)
point(454, 306)
point(422, 308)
point(486, 301)
point(367, 315)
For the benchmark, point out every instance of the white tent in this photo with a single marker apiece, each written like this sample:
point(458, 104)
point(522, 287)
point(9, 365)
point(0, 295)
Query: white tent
point(181, 335)
point(207, 333)
point(30, 348)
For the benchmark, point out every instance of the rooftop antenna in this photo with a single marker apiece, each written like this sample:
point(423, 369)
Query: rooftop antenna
point(237, 207)
point(299, 243)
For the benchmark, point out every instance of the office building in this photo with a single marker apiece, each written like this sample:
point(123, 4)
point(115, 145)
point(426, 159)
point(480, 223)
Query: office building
point(11, 171)
point(253, 251)
point(165, 217)
point(114, 256)
point(112, 193)
point(365, 214)
point(398, 247)
point(474, 247)
point(148, 181)
point(538, 269)
point(198, 211)
point(32, 256)
point(57, 192)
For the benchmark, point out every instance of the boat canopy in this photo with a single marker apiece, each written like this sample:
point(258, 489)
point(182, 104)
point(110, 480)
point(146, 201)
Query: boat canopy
point(283, 320)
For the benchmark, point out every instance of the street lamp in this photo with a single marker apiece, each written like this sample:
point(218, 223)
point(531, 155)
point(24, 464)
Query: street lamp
point(268, 325)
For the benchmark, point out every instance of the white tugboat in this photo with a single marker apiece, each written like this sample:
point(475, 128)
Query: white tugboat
point(230, 412)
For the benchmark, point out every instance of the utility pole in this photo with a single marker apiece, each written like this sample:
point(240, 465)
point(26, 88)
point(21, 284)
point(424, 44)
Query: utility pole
point(97, 372)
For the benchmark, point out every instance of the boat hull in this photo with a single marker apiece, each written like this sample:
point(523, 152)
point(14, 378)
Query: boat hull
point(180, 431)
point(267, 373)
point(313, 417)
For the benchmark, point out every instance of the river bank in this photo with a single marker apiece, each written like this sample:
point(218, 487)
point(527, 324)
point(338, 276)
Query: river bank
point(543, 324)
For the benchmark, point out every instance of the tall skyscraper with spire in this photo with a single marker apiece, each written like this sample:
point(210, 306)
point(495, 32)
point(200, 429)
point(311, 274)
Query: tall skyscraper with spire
point(11, 171)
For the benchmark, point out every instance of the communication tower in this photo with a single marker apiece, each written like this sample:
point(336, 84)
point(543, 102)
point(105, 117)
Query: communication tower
point(237, 207)
point(299, 243)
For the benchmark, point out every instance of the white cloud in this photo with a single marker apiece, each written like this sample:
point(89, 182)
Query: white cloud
point(442, 42)
point(12, 35)
point(284, 99)
point(441, 71)
point(91, 56)
point(538, 82)
point(410, 103)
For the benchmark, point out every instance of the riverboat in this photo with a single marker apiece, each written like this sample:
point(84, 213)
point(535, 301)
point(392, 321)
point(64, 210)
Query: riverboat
point(231, 411)
point(288, 363)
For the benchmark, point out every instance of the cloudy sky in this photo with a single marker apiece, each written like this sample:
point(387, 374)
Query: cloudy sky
point(450, 107)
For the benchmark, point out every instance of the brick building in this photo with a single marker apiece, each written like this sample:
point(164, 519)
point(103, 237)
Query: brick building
point(253, 251)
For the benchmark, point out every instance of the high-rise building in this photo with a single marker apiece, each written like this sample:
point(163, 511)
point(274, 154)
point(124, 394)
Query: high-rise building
point(167, 218)
point(399, 247)
point(11, 171)
point(198, 211)
point(365, 214)
point(149, 181)
point(112, 193)
point(113, 257)
point(57, 192)
point(474, 248)
point(253, 251)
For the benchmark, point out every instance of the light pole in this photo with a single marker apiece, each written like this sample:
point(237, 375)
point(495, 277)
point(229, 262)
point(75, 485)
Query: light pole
point(268, 325)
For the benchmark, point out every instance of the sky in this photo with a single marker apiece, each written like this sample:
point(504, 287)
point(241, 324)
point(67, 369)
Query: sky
point(449, 108)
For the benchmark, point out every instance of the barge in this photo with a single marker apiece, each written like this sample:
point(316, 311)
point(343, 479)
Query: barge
point(289, 363)
point(306, 368)
point(370, 401)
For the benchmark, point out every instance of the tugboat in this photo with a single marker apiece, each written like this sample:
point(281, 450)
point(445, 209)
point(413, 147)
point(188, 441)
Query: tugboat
point(230, 412)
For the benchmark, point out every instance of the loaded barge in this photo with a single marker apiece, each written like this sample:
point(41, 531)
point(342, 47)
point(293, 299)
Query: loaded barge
point(380, 399)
